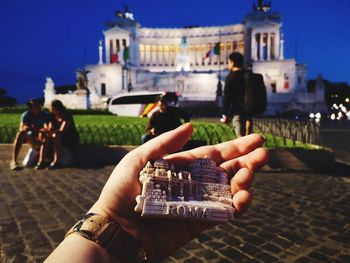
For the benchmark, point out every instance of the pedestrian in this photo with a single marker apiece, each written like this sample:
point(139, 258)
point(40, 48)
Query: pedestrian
point(32, 130)
point(165, 119)
point(63, 134)
point(244, 96)
point(114, 232)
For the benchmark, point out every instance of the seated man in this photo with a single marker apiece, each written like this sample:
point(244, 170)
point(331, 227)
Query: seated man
point(32, 130)
point(167, 118)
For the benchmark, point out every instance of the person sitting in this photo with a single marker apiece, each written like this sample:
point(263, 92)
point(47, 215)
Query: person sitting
point(32, 130)
point(165, 119)
point(63, 133)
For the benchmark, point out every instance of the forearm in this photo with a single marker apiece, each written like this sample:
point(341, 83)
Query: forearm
point(114, 245)
point(76, 248)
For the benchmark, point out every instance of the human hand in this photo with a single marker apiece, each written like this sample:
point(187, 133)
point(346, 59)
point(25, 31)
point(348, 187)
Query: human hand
point(153, 131)
point(224, 119)
point(161, 237)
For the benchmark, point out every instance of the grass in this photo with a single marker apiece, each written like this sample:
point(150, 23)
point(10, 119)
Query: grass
point(118, 130)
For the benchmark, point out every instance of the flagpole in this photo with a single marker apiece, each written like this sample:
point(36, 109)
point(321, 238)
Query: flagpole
point(219, 55)
point(219, 86)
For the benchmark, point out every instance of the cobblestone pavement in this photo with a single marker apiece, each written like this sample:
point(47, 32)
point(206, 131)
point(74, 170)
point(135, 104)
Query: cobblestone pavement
point(294, 217)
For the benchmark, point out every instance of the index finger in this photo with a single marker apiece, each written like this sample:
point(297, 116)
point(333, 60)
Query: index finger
point(222, 152)
point(165, 143)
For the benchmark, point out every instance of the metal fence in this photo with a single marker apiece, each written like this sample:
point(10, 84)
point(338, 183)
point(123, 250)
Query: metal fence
point(306, 132)
point(279, 133)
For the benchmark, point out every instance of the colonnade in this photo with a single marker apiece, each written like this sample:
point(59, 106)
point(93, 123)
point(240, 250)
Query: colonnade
point(266, 46)
point(165, 55)
point(115, 46)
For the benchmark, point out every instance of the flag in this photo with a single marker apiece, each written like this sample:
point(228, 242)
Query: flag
point(120, 55)
point(115, 58)
point(126, 54)
point(215, 50)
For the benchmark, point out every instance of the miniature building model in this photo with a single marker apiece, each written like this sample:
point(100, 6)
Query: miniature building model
point(202, 193)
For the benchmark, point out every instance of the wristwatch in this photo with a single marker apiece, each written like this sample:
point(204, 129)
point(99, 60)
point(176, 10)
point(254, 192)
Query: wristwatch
point(109, 235)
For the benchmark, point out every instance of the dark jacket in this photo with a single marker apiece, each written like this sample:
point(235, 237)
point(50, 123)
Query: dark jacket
point(234, 93)
point(168, 120)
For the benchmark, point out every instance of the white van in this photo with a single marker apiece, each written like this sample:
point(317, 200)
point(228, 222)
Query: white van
point(139, 104)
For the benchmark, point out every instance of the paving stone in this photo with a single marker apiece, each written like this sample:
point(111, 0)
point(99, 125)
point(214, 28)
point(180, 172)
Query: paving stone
point(56, 235)
point(181, 254)
point(284, 243)
point(232, 253)
point(207, 254)
point(271, 248)
point(344, 257)
point(318, 256)
point(266, 257)
point(328, 251)
point(194, 260)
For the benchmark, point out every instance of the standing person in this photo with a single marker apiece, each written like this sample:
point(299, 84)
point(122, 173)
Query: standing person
point(244, 96)
point(234, 96)
point(32, 130)
point(167, 118)
point(63, 133)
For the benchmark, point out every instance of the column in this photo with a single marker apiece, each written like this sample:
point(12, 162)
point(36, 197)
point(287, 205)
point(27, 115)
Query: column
point(281, 48)
point(100, 49)
point(169, 55)
point(261, 47)
point(268, 46)
point(108, 52)
point(195, 54)
point(277, 44)
point(254, 50)
point(151, 55)
point(157, 55)
point(164, 60)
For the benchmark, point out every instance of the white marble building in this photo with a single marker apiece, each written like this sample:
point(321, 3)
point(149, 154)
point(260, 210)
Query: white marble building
point(174, 59)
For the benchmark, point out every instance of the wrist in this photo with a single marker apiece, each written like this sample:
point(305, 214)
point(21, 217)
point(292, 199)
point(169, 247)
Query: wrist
point(109, 235)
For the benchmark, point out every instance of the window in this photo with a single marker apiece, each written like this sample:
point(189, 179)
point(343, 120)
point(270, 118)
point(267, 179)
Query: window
point(273, 87)
point(103, 89)
point(143, 99)
point(138, 99)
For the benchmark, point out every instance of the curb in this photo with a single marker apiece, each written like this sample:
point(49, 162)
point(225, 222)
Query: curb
point(280, 159)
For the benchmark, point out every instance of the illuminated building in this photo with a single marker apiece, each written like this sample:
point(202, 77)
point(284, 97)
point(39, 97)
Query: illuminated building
point(175, 59)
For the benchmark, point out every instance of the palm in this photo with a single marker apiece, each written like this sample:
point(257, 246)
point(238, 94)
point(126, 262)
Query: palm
point(161, 237)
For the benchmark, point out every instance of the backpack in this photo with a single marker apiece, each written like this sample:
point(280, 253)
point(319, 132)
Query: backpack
point(254, 94)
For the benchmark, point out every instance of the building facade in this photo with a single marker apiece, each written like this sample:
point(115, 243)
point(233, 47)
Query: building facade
point(181, 60)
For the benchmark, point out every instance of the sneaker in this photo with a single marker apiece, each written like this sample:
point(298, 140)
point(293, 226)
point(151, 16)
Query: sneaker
point(40, 166)
point(54, 166)
point(14, 166)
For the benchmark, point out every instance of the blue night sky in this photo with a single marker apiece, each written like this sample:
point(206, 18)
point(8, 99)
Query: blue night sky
point(53, 38)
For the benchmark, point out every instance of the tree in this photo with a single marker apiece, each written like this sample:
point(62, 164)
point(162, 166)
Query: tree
point(6, 101)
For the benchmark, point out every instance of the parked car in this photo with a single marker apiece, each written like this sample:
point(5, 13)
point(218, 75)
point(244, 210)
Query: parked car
point(139, 104)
